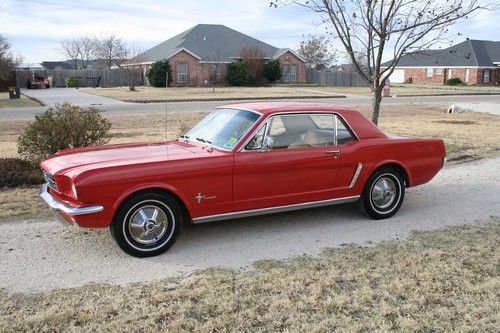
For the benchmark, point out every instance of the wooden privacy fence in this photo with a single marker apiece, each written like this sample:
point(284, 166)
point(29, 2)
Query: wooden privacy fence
point(23, 75)
point(98, 77)
point(86, 77)
point(336, 78)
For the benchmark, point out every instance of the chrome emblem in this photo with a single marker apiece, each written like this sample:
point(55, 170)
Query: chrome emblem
point(199, 197)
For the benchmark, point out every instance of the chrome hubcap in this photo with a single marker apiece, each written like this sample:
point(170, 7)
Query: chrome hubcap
point(148, 224)
point(383, 192)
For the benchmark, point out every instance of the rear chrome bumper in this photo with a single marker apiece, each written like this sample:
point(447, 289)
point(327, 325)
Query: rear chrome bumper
point(58, 206)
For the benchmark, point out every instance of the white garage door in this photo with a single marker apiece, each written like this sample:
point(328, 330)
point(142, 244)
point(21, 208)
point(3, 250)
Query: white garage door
point(398, 76)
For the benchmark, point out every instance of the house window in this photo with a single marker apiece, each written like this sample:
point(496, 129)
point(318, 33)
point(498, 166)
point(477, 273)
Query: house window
point(486, 75)
point(439, 71)
point(450, 73)
point(430, 72)
point(293, 73)
point(289, 73)
point(466, 78)
point(182, 73)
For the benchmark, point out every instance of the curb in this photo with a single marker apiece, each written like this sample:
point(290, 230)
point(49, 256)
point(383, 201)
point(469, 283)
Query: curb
point(145, 101)
point(447, 94)
point(34, 99)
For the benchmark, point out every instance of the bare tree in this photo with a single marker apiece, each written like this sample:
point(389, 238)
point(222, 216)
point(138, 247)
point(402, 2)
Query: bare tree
point(134, 56)
point(316, 52)
point(253, 57)
point(71, 48)
point(7, 61)
point(112, 49)
point(215, 71)
point(379, 27)
point(88, 49)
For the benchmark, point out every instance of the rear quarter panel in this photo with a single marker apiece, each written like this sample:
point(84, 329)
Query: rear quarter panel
point(421, 160)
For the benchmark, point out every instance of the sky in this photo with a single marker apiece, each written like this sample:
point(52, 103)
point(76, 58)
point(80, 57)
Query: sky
point(35, 28)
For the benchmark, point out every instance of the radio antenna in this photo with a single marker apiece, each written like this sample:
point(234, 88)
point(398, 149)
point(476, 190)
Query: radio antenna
point(166, 113)
point(166, 127)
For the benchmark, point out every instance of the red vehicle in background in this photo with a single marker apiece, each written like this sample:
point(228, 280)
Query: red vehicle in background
point(37, 81)
point(241, 160)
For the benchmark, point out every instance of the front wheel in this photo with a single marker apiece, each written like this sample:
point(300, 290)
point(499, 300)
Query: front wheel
point(383, 194)
point(147, 224)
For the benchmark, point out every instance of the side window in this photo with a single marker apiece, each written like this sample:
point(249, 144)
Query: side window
point(302, 130)
point(344, 135)
point(257, 140)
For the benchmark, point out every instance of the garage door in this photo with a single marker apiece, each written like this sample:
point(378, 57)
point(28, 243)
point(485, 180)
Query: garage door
point(398, 76)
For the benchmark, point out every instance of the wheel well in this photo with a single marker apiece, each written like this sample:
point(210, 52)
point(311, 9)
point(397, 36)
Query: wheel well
point(397, 168)
point(186, 217)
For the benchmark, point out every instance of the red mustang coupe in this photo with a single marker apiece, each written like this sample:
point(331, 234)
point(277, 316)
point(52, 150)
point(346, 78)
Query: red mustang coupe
point(241, 160)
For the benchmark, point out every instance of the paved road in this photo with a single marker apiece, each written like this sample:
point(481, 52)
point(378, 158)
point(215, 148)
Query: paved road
point(43, 255)
point(52, 96)
point(132, 108)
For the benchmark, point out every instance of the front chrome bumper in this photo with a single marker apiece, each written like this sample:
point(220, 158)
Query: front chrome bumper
point(59, 206)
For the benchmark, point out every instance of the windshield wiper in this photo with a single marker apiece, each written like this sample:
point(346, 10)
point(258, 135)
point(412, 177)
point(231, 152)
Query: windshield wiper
point(185, 137)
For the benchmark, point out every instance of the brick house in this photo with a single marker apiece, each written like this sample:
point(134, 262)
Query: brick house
point(204, 52)
point(475, 62)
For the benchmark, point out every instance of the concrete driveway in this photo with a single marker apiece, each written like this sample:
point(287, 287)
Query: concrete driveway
point(42, 255)
point(52, 96)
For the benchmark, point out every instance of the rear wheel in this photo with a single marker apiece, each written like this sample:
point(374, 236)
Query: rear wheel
point(383, 193)
point(147, 224)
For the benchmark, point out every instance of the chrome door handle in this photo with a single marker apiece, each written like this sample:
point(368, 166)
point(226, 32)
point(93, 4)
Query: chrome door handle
point(333, 152)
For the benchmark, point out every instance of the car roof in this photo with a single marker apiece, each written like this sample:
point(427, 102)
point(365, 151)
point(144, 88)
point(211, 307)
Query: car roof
point(266, 108)
point(363, 128)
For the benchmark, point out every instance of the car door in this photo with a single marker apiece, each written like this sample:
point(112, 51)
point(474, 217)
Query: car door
point(291, 159)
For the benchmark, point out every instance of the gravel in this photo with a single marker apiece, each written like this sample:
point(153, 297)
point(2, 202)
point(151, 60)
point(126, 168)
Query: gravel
point(44, 255)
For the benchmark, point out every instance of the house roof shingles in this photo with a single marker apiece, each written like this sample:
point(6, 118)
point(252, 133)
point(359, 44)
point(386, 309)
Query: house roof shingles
point(209, 42)
point(470, 53)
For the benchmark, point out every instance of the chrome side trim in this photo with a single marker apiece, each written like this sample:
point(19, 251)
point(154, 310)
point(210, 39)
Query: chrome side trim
point(57, 205)
point(272, 210)
point(356, 175)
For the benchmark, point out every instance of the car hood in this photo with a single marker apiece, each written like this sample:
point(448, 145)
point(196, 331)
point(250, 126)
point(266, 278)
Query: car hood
point(82, 159)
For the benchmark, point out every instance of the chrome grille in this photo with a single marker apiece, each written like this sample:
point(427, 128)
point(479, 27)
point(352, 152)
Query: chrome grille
point(50, 180)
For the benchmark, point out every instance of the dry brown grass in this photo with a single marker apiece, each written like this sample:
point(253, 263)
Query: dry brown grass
point(22, 202)
point(435, 282)
point(172, 94)
point(22, 102)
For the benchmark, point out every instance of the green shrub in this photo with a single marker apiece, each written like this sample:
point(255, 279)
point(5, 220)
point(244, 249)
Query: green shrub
point(72, 82)
point(158, 72)
point(272, 70)
point(60, 127)
point(16, 172)
point(454, 81)
point(237, 74)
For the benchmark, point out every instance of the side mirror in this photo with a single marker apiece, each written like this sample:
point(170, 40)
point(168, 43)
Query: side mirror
point(267, 144)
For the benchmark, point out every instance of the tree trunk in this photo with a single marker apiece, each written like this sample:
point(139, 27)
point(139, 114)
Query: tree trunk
point(131, 79)
point(376, 100)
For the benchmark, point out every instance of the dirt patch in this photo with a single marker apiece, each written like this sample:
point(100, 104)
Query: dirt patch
point(436, 281)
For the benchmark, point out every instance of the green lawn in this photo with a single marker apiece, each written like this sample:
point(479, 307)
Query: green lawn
point(441, 281)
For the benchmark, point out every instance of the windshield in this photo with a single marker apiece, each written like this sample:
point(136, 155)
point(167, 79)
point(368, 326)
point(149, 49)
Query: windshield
point(223, 128)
